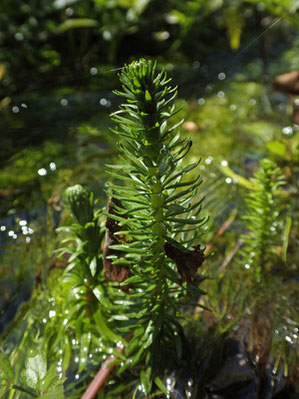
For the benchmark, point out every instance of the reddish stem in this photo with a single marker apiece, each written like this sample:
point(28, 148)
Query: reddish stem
point(100, 377)
point(222, 229)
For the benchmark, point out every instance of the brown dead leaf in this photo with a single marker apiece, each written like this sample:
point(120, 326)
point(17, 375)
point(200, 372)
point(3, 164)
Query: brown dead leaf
point(187, 261)
point(115, 273)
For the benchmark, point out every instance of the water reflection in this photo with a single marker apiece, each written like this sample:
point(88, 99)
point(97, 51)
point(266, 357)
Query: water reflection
point(42, 172)
point(288, 131)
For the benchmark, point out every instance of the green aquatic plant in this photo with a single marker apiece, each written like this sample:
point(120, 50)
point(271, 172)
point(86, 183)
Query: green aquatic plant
point(156, 222)
point(262, 219)
point(129, 288)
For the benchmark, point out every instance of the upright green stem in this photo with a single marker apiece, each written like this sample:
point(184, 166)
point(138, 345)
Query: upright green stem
point(158, 228)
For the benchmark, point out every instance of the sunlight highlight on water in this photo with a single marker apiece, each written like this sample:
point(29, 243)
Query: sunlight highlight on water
point(93, 71)
point(52, 166)
point(209, 160)
point(42, 172)
point(287, 130)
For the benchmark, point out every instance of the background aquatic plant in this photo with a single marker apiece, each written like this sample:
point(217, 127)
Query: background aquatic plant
point(262, 219)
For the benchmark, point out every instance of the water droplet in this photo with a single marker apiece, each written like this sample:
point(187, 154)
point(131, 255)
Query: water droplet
point(52, 166)
point(69, 11)
point(103, 102)
point(19, 36)
point(93, 71)
point(224, 163)
point(107, 35)
point(233, 107)
point(209, 88)
point(42, 172)
point(163, 35)
point(261, 7)
point(228, 180)
point(64, 102)
point(201, 101)
point(52, 313)
point(15, 109)
point(220, 94)
point(287, 130)
point(209, 160)
point(221, 76)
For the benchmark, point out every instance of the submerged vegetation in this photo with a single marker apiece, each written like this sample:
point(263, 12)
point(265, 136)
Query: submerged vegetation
point(152, 252)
